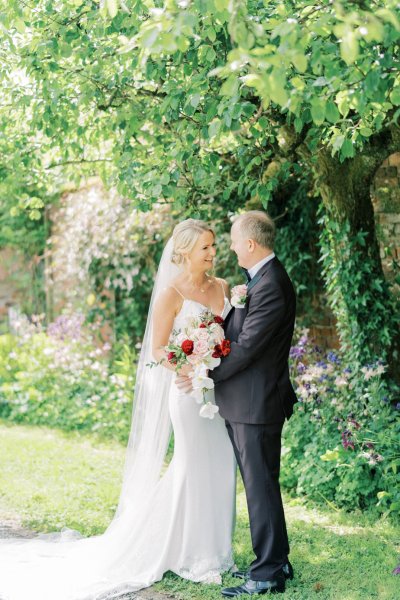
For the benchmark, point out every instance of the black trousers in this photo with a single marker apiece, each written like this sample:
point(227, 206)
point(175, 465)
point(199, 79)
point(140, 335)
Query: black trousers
point(258, 452)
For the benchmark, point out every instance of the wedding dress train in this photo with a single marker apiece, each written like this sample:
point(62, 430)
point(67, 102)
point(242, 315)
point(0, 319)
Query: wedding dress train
point(185, 526)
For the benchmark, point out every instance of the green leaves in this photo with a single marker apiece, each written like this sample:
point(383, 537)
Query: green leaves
point(222, 5)
point(318, 110)
point(332, 112)
point(170, 84)
point(109, 7)
point(349, 43)
point(394, 96)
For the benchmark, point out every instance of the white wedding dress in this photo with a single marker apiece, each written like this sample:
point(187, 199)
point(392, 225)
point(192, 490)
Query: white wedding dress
point(185, 525)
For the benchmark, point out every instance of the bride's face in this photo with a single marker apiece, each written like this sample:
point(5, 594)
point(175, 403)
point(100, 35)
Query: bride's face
point(201, 258)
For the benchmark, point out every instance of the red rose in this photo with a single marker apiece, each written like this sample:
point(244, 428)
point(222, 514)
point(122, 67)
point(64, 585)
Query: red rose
point(202, 326)
point(172, 358)
point(218, 320)
point(187, 346)
point(225, 347)
point(217, 351)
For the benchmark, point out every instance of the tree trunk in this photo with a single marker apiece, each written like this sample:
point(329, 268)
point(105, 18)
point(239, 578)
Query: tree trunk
point(345, 190)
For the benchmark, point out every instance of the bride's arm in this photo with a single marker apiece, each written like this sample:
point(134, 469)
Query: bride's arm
point(165, 310)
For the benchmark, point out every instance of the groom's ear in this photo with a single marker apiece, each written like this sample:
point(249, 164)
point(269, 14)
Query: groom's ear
point(251, 245)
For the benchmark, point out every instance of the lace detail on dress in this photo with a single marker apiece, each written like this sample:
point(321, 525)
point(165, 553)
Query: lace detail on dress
point(209, 573)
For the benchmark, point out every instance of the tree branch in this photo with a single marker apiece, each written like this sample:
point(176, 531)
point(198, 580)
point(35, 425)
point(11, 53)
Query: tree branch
point(77, 162)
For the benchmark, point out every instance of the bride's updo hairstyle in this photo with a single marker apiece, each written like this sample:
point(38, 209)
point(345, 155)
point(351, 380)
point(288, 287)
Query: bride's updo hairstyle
point(185, 236)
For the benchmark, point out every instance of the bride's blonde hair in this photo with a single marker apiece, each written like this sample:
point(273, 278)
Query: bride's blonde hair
point(185, 236)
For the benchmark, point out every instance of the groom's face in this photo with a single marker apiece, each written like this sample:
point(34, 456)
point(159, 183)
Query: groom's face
point(241, 246)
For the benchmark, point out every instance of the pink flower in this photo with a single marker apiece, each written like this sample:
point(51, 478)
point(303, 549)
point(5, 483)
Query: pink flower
point(217, 333)
point(201, 347)
point(239, 295)
point(201, 334)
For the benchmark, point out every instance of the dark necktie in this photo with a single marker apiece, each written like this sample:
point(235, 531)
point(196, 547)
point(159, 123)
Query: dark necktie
point(247, 275)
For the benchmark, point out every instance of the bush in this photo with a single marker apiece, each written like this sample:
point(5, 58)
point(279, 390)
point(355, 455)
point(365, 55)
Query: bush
point(342, 445)
point(62, 378)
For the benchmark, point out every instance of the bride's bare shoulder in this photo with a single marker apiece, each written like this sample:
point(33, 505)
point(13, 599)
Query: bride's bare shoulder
point(224, 283)
point(170, 299)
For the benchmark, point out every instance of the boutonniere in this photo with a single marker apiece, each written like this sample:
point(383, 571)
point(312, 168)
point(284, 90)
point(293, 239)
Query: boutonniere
point(239, 296)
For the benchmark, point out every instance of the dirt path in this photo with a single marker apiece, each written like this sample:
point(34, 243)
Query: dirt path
point(13, 529)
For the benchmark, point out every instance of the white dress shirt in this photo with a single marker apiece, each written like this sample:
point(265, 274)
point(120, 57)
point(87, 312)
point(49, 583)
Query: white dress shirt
point(254, 270)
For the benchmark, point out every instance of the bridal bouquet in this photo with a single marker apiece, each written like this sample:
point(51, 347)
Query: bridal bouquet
point(202, 344)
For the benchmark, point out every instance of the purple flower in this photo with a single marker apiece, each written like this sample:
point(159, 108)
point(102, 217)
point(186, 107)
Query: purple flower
point(396, 571)
point(297, 352)
point(398, 406)
point(346, 441)
point(66, 326)
point(333, 357)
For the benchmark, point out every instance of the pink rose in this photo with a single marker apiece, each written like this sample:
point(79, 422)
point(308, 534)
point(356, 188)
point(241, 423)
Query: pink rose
point(201, 347)
point(201, 334)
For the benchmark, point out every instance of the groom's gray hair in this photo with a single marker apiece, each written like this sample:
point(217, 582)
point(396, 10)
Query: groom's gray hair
point(258, 226)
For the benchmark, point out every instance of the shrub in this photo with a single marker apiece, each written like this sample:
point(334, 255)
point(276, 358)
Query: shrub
point(343, 443)
point(62, 378)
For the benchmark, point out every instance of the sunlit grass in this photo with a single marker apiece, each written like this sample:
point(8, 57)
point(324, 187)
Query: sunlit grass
point(49, 480)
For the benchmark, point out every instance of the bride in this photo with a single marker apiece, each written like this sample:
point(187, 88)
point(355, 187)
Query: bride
point(181, 521)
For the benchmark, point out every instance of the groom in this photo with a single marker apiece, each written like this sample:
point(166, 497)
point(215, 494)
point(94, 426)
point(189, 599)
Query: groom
point(255, 396)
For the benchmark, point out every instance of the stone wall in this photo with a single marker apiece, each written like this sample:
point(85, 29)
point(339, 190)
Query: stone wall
point(13, 272)
point(386, 200)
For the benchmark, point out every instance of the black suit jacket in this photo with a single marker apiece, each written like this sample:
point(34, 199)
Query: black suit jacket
point(252, 383)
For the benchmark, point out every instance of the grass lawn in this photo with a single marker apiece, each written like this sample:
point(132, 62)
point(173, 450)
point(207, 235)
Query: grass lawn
point(50, 479)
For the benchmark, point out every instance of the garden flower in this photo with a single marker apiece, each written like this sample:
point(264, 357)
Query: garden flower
point(396, 571)
point(297, 351)
point(346, 441)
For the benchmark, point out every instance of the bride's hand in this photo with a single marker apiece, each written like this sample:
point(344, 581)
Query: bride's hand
point(184, 383)
point(185, 371)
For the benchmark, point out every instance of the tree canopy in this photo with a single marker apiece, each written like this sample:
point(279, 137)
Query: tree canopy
point(191, 101)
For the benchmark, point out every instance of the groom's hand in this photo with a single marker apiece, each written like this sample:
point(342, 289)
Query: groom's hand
point(184, 383)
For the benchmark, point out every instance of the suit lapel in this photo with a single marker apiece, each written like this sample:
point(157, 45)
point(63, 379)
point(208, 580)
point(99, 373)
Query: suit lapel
point(260, 274)
point(253, 281)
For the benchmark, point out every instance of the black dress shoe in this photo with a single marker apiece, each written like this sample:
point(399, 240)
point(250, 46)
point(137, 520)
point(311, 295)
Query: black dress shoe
point(254, 588)
point(287, 571)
